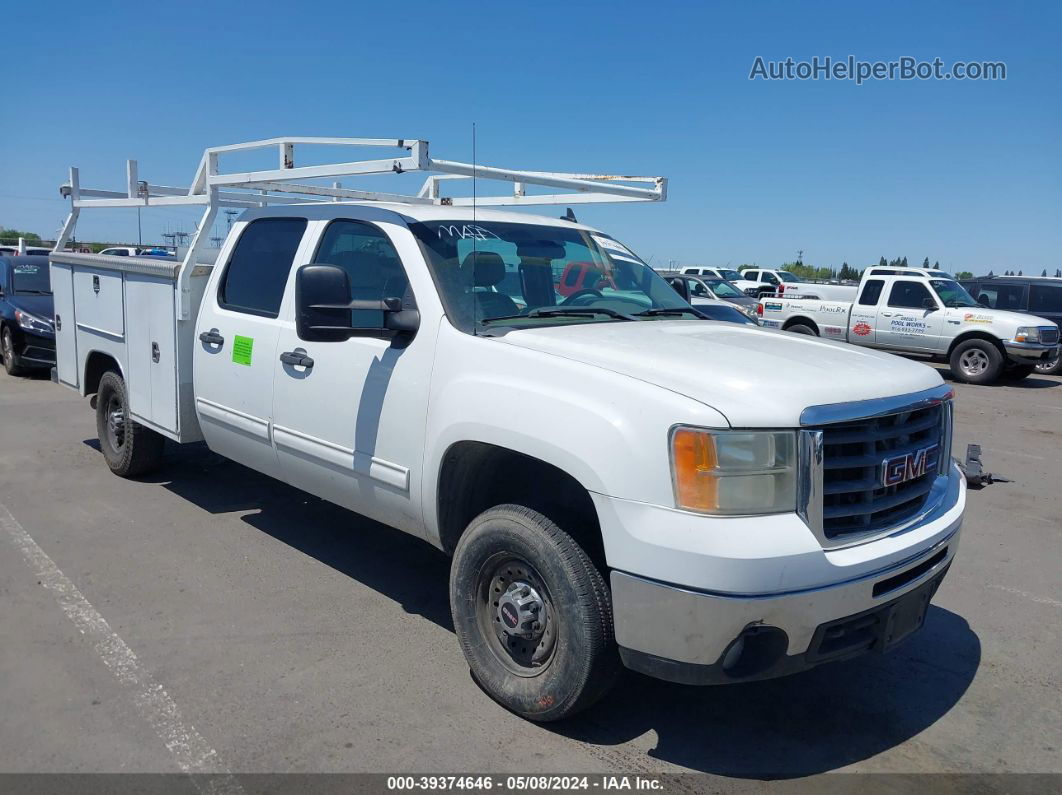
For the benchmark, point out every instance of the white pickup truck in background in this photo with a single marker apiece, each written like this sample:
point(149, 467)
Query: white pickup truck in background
point(793, 503)
point(926, 312)
point(760, 281)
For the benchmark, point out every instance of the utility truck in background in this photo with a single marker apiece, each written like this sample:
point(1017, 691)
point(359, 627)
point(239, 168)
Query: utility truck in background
point(925, 312)
point(786, 502)
point(763, 281)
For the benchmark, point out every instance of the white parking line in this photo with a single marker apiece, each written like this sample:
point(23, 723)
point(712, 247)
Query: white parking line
point(189, 749)
point(1040, 600)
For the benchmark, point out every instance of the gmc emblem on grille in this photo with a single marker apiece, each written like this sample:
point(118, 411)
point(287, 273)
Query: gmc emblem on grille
point(903, 468)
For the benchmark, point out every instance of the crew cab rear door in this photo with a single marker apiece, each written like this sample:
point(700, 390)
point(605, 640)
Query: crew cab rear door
point(234, 356)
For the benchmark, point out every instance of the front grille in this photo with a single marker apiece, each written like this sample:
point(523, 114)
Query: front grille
point(1049, 336)
point(856, 500)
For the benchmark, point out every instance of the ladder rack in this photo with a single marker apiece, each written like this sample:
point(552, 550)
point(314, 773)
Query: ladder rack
point(214, 189)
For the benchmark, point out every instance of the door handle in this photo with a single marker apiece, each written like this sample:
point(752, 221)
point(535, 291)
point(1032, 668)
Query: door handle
point(886, 314)
point(211, 337)
point(297, 358)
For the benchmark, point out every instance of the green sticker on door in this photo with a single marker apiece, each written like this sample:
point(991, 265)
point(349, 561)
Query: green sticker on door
point(241, 349)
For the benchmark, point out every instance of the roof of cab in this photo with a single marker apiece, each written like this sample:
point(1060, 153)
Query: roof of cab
point(406, 213)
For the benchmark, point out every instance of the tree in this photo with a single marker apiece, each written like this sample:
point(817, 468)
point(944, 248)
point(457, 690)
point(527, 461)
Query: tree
point(13, 235)
point(964, 275)
point(882, 263)
point(990, 274)
point(904, 262)
point(1044, 273)
point(1019, 273)
point(1058, 273)
point(936, 265)
point(925, 263)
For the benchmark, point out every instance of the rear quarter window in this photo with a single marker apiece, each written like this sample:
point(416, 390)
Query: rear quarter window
point(258, 269)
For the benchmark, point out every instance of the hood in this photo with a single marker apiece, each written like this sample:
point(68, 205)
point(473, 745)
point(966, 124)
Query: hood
point(978, 315)
point(755, 377)
point(43, 306)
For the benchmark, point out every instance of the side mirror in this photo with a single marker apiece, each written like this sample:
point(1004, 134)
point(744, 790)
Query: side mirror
point(323, 307)
point(930, 304)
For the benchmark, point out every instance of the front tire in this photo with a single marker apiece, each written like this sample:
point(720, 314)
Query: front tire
point(129, 448)
point(533, 615)
point(976, 361)
point(801, 328)
point(7, 347)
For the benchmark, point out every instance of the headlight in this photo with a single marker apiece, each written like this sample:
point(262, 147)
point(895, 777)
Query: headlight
point(31, 323)
point(1027, 334)
point(733, 473)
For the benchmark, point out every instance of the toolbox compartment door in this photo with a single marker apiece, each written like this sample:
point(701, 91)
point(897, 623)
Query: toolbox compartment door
point(152, 350)
point(65, 325)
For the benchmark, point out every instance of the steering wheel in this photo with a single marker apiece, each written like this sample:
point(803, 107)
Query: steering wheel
point(579, 293)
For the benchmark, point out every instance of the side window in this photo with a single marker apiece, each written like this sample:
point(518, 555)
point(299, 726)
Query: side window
point(750, 276)
point(770, 278)
point(909, 295)
point(367, 255)
point(871, 292)
point(1045, 298)
point(259, 266)
point(698, 289)
point(1001, 296)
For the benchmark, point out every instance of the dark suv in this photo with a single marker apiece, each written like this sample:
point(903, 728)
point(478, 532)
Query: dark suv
point(1037, 295)
point(27, 331)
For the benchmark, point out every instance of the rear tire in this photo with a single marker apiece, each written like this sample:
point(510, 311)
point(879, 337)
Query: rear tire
point(1018, 372)
point(7, 348)
point(511, 555)
point(1050, 367)
point(801, 328)
point(129, 448)
point(976, 361)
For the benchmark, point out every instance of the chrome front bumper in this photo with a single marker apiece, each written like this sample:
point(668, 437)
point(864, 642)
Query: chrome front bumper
point(685, 635)
point(1030, 352)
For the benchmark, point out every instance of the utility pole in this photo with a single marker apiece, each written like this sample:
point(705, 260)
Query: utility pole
point(231, 213)
point(800, 257)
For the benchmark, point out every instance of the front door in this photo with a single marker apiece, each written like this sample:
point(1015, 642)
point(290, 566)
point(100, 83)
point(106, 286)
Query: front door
point(350, 426)
point(911, 318)
point(234, 357)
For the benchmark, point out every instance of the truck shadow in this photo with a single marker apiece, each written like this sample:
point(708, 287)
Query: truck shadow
point(813, 722)
point(821, 720)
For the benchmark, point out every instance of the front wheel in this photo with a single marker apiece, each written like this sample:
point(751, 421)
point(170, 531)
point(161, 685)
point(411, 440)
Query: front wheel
point(129, 448)
point(976, 361)
point(533, 615)
point(801, 328)
point(7, 347)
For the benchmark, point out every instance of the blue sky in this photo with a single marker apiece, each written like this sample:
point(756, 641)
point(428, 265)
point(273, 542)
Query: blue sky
point(965, 172)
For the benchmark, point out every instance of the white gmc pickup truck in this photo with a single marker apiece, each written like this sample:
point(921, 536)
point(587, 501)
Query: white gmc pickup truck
point(786, 503)
point(925, 312)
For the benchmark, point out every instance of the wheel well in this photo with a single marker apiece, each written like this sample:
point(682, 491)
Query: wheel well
point(476, 476)
point(801, 321)
point(96, 365)
point(977, 335)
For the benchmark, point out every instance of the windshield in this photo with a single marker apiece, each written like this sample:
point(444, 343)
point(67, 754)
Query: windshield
point(786, 276)
point(30, 277)
point(726, 312)
point(951, 293)
point(494, 275)
point(724, 289)
point(729, 275)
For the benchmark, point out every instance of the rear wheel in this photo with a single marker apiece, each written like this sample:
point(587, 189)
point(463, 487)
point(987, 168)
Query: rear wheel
point(1050, 367)
point(801, 328)
point(129, 448)
point(7, 347)
point(976, 362)
point(533, 615)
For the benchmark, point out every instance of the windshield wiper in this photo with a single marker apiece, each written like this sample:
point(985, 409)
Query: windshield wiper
point(563, 312)
point(668, 311)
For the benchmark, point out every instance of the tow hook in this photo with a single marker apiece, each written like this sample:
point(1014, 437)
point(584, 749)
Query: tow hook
point(973, 469)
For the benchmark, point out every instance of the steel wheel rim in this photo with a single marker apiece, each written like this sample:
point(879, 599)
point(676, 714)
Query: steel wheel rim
point(974, 362)
point(523, 657)
point(9, 348)
point(1048, 366)
point(115, 414)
